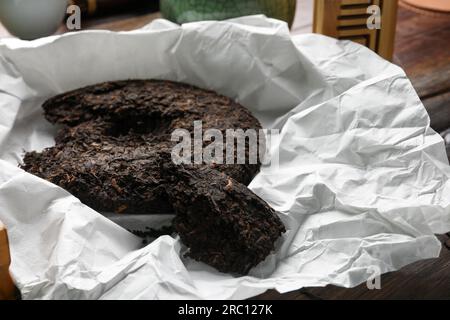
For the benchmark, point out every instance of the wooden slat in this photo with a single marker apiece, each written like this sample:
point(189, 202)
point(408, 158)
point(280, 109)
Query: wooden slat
point(371, 36)
point(326, 23)
point(7, 288)
point(353, 11)
point(388, 27)
point(356, 32)
point(355, 2)
point(352, 22)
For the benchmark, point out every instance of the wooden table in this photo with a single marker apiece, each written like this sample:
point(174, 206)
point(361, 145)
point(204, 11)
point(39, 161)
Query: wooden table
point(422, 48)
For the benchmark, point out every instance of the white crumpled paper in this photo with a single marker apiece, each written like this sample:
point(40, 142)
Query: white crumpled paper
point(363, 180)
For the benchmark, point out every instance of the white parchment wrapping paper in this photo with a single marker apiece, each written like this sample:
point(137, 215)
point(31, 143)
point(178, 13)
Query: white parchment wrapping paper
point(363, 180)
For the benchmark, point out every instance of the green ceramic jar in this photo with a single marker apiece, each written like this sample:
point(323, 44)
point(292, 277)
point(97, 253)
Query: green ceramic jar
point(181, 11)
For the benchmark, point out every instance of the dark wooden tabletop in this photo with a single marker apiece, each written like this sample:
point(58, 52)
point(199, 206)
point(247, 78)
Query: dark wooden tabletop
point(422, 49)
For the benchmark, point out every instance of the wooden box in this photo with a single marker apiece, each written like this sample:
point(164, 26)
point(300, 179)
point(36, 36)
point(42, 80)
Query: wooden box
point(348, 19)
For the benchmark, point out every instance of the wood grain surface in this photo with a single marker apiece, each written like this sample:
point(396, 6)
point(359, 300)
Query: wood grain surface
point(422, 48)
point(7, 289)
